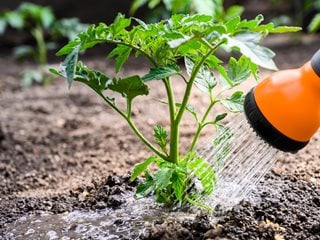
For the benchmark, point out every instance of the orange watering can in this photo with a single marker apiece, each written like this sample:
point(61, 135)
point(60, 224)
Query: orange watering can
point(284, 109)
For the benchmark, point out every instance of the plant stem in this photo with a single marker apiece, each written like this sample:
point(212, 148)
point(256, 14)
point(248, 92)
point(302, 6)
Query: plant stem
point(200, 126)
point(173, 155)
point(196, 68)
point(38, 34)
point(133, 127)
point(175, 128)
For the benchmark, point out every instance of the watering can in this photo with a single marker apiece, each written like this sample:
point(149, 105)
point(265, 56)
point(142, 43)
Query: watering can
point(284, 109)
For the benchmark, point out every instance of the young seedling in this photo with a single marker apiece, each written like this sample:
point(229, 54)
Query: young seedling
point(42, 24)
point(192, 38)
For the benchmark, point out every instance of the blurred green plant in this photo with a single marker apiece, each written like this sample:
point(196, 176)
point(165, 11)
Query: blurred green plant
point(45, 29)
point(212, 8)
point(305, 13)
point(314, 25)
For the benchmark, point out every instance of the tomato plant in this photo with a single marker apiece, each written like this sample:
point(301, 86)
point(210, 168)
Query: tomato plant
point(195, 39)
point(40, 22)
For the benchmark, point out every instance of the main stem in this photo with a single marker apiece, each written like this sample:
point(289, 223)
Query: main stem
point(174, 141)
point(175, 128)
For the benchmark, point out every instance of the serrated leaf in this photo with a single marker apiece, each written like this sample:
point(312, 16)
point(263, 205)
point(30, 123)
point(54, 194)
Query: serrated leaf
point(129, 87)
point(161, 137)
point(94, 79)
point(120, 24)
point(178, 184)
point(248, 46)
point(235, 102)
point(121, 54)
point(162, 178)
point(69, 65)
point(160, 73)
point(239, 71)
point(144, 189)
point(205, 79)
point(142, 167)
point(232, 24)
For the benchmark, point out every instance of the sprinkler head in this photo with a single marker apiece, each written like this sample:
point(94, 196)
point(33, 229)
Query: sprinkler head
point(284, 109)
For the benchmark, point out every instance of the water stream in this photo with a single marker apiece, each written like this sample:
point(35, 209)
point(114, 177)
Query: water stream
point(240, 158)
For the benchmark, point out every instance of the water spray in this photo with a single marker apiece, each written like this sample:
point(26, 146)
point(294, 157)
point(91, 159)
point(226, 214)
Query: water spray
point(284, 112)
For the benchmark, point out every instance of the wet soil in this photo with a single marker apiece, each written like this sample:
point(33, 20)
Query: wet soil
point(282, 207)
point(59, 150)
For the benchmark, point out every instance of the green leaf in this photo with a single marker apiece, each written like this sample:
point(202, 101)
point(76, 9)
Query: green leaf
point(314, 25)
point(121, 52)
point(205, 173)
point(94, 79)
point(206, 7)
point(161, 137)
point(285, 29)
point(23, 51)
point(145, 188)
point(233, 11)
point(120, 24)
point(142, 167)
point(239, 71)
point(30, 76)
point(69, 65)
point(46, 16)
point(137, 4)
point(68, 27)
point(220, 117)
point(67, 49)
point(178, 184)
point(205, 79)
point(248, 46)
point(162, 178)
point(161, 73)
point(14, 19)
point(129, 87)
point(3, 25)
point(235, 102)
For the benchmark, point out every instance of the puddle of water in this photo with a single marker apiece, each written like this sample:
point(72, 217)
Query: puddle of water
point(127, 222)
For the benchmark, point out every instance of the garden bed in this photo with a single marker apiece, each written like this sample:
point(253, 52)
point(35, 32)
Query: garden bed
point(58, 149)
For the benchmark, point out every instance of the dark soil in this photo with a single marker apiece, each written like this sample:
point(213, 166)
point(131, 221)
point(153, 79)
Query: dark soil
point(58, 149)
point(284, 208)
